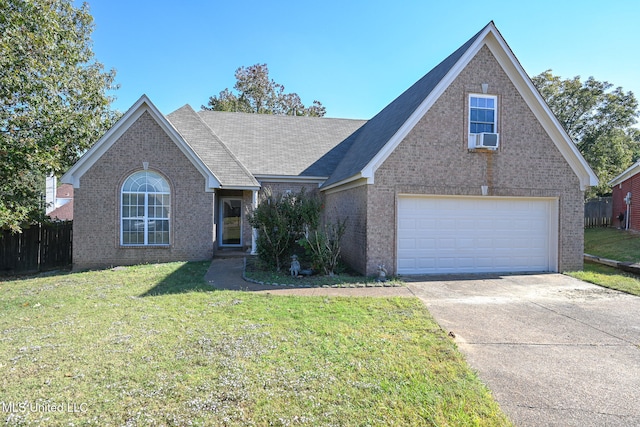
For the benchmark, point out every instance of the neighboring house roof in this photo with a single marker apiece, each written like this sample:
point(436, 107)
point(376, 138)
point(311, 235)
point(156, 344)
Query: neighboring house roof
point(64, 191)
point(215, 155)
point(628, 173)
point(62, 213)
point(270, 145)
point(64, 202)
point(382, 134)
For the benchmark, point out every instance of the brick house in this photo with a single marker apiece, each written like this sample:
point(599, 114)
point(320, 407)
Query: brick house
point(627, 184)
point(466, 171)
point(59, 200)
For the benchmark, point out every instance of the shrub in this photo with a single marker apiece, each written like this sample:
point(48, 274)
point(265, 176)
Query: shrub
point(324, 246)
point(281, 220)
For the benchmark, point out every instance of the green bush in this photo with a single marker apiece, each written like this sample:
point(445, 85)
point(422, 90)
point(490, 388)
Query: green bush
point(281, 220)
point(324, 246)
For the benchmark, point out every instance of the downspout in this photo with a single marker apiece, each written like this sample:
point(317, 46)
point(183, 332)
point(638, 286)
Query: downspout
point(627, 200)
point(254, 231)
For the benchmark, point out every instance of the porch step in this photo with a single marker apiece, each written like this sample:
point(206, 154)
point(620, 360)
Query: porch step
point(230, 253)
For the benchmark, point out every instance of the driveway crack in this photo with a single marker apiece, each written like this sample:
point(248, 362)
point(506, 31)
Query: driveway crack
point(584, 323)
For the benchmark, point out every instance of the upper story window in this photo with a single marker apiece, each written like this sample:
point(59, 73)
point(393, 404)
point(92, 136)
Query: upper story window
point(483, 120)
point(483, 114)
point(146, 202)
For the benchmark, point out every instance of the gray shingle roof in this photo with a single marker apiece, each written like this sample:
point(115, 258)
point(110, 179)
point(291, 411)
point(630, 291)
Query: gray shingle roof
point(378, 131)
point(216, 156)
point(283, 145)
point(238, 146)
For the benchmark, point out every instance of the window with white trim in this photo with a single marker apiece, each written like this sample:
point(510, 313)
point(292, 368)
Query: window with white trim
point(145, 209)
point(483, 114)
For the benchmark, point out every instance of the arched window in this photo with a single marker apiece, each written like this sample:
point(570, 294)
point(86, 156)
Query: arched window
point(146, 201)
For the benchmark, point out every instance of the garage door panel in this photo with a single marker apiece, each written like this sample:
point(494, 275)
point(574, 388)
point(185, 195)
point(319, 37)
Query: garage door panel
point(407, 224)
point(446, 262)
point(427, 244)
point(462, 262)
point(466, 224)
point(407, 264)
point(483, 224)
point(426, 223)
point(484, 262)
point(446, 224)
point(407, 244)
point(465, 244)
point(476, 234)
point(446, 243)
point(484, 244)
point(426, 263)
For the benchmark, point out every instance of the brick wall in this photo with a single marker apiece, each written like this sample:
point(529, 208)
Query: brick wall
point(631, 185)
point(434, 159)
point(350, 205)
point(96, 234)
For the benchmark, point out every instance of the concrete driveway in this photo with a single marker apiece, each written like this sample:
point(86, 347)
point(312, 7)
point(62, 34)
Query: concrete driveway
point(555, 351)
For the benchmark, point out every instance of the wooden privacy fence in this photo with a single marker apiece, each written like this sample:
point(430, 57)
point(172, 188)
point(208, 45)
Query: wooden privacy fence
point(598, 212)
point(38, 248)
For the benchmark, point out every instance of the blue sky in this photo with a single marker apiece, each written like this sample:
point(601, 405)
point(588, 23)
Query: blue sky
point(353, 56)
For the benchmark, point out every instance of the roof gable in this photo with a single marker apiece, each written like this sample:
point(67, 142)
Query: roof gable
point(143, 105)
point(382, 134)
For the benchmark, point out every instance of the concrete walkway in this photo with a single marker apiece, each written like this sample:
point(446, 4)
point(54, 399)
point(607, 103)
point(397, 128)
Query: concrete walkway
point(555, 351)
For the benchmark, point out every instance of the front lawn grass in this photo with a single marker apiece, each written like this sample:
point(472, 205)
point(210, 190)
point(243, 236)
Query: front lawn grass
point(611, 243)
point(154, 345)
point(608, 277)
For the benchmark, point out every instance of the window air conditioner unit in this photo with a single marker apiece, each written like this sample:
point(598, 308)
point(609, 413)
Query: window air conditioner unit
point(487, 140)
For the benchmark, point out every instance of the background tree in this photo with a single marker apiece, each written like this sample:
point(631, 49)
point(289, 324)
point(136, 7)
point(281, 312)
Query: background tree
point(53, 102)
point(598, 120)
point(257, 93)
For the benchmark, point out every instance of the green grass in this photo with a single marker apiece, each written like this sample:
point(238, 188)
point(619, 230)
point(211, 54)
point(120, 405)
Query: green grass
point(611, 243)
point(608, 277)
point(154, 345)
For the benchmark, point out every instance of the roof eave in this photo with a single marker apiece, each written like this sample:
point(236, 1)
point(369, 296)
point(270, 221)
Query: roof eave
point(240, 187)
point(298, 179)
point(352, 181)
point(626, 174)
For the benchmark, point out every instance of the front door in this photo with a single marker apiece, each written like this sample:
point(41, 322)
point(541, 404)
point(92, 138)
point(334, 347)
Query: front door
point(231, 221)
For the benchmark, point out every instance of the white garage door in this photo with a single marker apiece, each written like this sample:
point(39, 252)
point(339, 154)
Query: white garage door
point(438, 235)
